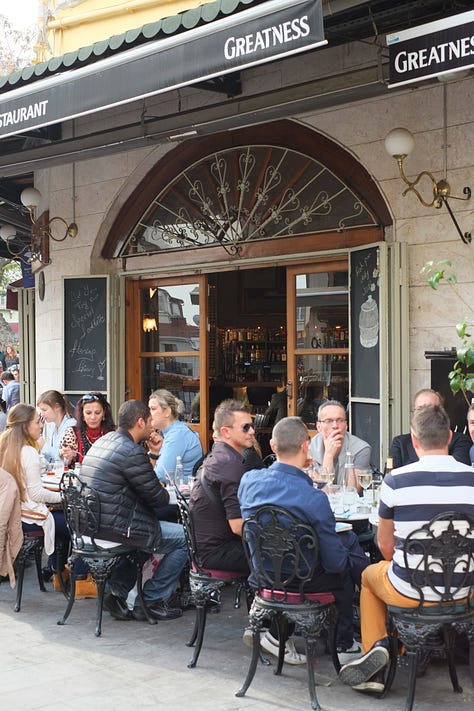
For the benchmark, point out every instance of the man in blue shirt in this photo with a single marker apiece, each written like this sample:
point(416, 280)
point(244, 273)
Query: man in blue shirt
point(285, 484)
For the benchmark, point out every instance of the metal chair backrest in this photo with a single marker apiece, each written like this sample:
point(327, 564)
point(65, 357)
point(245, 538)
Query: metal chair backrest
point(81, 509)
point(282, 551)
point(439, 558)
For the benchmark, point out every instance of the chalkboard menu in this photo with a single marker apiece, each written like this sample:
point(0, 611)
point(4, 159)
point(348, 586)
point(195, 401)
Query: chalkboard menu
point(365, 423)
point(365, 335)
point(85, 334)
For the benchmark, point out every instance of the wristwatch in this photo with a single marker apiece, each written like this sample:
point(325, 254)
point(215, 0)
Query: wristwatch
point(152, 455)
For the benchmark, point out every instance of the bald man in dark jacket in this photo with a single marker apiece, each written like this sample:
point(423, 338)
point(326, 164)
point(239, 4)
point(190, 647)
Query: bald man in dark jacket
point(118, 468)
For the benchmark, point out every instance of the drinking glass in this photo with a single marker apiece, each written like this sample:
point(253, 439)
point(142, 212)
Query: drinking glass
point(364, 477)
point(335, 498)
point(323, 476)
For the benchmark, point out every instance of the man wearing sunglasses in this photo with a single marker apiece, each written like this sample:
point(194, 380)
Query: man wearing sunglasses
point(214, 504)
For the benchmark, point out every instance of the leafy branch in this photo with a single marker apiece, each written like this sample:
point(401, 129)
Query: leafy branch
point(461, 379)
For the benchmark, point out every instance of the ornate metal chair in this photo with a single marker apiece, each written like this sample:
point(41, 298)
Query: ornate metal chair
point(283, 555)
point(439, 559)
point(205, 583)
point(82, 511)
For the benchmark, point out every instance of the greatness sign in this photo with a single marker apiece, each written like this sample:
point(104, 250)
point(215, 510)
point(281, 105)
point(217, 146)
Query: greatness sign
point(431, 50)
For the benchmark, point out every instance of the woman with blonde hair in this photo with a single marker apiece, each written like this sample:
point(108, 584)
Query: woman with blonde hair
point(179, 440)
point(19, 455)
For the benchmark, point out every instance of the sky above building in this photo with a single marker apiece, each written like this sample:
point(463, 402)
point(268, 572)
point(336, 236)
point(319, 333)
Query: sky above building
point(21, 13)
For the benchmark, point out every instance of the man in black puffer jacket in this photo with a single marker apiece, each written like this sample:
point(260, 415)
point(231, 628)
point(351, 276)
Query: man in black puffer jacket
point(118, 468)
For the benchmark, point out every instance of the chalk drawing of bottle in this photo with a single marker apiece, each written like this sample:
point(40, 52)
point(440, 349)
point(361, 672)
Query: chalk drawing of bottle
point(369, 323)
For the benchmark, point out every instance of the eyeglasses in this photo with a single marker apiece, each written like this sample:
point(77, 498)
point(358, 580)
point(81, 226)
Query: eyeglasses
point(247, 427)
point(335, 421)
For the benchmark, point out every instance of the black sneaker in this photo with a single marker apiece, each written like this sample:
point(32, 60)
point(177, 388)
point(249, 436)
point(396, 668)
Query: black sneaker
point(362, 670)
point(160, 610)
point(117, 607)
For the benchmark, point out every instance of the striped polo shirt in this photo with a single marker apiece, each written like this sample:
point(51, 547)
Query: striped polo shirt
point(412, 495)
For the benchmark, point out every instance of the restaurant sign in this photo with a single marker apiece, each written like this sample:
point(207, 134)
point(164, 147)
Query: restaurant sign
point(266, 32)
point(431, 50)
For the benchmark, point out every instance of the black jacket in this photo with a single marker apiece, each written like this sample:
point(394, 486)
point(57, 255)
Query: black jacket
point(403, 452)
point(121, 473)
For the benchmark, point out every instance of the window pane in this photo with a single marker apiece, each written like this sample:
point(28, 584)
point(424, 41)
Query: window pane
point(322, 322)
point(170, 324)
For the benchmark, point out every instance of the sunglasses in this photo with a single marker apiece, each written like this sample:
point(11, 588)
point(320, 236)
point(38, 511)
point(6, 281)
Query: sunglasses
point(91, 397)
point(247, 427)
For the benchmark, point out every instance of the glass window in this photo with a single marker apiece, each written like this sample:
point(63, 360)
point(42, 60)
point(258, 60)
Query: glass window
point(170, 342)
point(322, 341)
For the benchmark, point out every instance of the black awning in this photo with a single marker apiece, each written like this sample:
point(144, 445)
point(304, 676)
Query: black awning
point(269, 31)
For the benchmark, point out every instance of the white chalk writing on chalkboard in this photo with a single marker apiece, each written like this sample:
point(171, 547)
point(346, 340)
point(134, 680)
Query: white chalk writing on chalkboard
point(85, 321)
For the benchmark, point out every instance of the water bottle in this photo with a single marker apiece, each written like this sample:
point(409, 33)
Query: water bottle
point(179, 473)
point(350, 485)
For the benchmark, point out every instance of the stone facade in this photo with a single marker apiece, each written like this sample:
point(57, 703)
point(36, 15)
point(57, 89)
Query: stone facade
point(101, 186)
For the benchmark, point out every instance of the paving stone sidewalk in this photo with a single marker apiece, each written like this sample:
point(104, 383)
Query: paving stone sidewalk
point(46, 667)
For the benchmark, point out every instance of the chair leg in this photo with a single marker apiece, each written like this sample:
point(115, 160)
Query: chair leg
point(39, 572)
point(193, 637)
point(310, 647)
point(253, 662)
point(19, 585)
point(412, 664)
point(332, 636)
point(392, 668)
point(201, 613)
point(449, 637)
point(72, 598)
point(151, 620)
point(99, 606)
point(282, 637)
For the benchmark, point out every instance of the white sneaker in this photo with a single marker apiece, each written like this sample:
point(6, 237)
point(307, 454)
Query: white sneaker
point(361, 671)
point(349, 655)
point(271, 645)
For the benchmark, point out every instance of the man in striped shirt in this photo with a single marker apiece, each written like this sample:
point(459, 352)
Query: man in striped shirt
point(410, 497)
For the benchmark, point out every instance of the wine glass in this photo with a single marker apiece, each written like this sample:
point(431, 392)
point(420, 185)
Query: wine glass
point(364, 477)
point(323, 476)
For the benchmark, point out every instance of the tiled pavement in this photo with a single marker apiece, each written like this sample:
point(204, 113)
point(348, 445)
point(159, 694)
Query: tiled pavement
point(137, 666)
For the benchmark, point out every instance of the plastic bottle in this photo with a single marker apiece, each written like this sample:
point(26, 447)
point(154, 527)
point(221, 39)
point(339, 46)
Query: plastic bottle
point(350, 485)
point(179, 472)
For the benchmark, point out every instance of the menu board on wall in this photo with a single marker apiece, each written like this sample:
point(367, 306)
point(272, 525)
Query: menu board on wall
point(85, 334)
point(365, 314)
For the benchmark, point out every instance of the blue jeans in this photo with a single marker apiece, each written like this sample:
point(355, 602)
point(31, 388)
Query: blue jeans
point(165, 580)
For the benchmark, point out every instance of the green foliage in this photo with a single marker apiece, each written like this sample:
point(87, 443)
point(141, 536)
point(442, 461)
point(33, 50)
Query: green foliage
point(9, 271)
point(461, 379)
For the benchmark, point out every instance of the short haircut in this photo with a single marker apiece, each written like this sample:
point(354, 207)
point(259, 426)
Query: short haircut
point(431, 427)
point(130, 412)
point(225, 412)
point(289, 434)
point(430, 391)
point(6, 375)
point(331, 403)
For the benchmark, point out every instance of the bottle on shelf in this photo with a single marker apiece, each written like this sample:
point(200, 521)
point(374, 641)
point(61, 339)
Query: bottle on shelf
point(283, 354)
